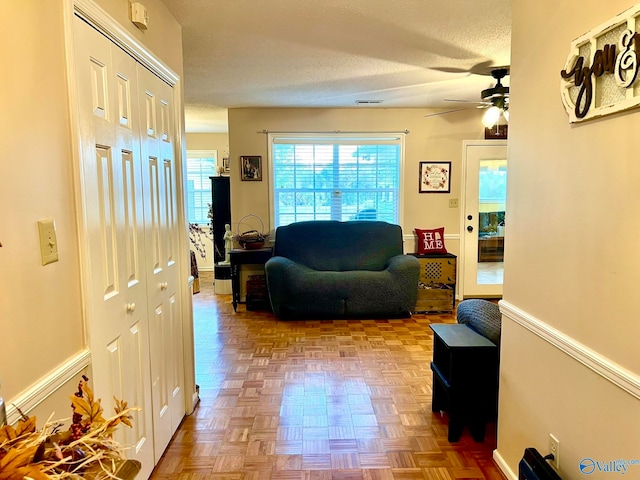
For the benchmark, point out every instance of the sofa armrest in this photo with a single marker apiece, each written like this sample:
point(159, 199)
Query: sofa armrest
point(280, 265)
point(402, 262)
point(405, 270)
point(281, 273)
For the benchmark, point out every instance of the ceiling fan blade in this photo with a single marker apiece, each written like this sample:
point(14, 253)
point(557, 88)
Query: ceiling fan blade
point(482, 68)
point(444, 113)
point(466, 101)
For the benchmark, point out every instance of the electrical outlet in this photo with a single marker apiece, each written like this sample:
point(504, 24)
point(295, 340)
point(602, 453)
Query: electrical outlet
point(554, 449)
point(453, 203)
point(48, 241)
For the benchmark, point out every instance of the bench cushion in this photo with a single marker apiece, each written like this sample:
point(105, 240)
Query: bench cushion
point(482, 316)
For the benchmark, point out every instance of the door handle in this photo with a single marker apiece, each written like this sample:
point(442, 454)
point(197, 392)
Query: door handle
point(164, 285)
point(469, 228)
point(131, 307)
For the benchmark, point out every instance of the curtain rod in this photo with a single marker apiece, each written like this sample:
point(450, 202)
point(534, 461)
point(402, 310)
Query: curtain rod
point(266, 132)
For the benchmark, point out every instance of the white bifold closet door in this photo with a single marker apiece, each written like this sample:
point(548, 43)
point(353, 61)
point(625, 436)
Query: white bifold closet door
point(128, 221)
point(161, 256)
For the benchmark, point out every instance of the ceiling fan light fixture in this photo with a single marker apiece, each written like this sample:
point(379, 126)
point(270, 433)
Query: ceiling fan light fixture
point(498, 92)
point(491, 117)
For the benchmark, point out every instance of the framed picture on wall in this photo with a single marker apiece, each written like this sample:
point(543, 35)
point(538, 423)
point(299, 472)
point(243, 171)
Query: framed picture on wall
point(251, 168)
point(435, 177)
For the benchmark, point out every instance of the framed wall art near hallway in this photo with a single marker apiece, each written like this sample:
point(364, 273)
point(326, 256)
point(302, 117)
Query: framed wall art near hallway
point(251, 168)
point(435, 177)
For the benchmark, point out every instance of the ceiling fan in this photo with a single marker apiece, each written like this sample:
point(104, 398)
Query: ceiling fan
point(495, 99)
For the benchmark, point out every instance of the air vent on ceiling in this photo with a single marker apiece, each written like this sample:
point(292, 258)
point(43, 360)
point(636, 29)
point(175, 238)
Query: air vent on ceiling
point(367, 102)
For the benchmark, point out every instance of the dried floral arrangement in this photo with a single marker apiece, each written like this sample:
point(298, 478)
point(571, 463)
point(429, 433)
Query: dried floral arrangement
point(86, 450)
point(196, 234)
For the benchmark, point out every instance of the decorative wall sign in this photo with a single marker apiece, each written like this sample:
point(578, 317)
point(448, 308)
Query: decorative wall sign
point(600, 76)
point(435, 177)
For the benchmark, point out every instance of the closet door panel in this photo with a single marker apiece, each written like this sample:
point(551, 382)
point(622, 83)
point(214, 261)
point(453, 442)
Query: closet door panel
point(113, 231)
point(163, 274)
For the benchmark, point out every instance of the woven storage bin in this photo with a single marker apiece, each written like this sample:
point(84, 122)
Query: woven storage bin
point(435, 297)
point(257, 296)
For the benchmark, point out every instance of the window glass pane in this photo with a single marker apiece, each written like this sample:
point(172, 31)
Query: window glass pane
point(326, 178)
point(493, 181)
point(199, 169)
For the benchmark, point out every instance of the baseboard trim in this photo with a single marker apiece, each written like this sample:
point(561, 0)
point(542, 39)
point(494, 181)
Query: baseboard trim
point(603, 366)
point(46, 386)
point(502, 465)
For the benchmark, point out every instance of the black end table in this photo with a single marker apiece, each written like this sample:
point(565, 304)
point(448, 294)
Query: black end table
point(465, 378)
point(238, 257)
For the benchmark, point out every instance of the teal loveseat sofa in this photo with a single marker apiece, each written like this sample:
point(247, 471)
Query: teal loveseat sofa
point(330, 269)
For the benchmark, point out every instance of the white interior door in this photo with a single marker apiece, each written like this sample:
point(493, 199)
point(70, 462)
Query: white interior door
point(113, 225)
point(130, 220)
point(163, 275)
point(483, 225)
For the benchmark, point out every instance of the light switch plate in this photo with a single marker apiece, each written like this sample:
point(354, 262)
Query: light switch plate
point(48, 241)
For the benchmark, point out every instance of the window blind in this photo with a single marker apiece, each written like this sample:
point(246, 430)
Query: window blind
point(200, 166)
point(336, 178)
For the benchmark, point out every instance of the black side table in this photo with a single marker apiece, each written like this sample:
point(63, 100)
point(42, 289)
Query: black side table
point(465, 378)
point(238, 257)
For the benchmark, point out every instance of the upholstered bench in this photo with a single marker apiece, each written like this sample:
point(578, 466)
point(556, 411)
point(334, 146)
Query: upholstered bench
point(481, 316)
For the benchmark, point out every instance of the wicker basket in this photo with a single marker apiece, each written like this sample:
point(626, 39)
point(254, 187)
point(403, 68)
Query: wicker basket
point(251, 239)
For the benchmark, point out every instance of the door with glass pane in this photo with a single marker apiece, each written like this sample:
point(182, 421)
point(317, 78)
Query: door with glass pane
point(483, 224)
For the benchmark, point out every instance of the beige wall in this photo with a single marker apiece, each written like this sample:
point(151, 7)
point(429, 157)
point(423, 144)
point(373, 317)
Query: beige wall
point(571, 259)
point(41, 308)
point(209, 141)
point(433, 138)
point(164, 35)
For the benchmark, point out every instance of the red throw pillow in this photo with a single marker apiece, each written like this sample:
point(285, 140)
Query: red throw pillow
point(430, 241)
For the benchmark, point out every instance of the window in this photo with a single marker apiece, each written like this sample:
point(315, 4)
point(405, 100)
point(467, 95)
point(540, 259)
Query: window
point(336, 178)
point(493, 181)
point(201, 164)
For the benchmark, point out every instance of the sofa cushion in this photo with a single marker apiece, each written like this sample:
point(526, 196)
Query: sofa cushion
point(339, 246)
point(297, 291)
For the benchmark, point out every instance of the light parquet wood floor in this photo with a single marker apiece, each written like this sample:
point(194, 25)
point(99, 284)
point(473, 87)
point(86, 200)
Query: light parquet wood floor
point(316, 400)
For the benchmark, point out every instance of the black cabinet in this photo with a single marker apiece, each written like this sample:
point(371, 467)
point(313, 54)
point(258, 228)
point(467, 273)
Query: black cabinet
point(221, 202)
point(465, 378)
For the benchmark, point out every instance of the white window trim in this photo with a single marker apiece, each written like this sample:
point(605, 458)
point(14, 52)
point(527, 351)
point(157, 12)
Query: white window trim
point(272, 136)
point(213, 153)
point(203, 154)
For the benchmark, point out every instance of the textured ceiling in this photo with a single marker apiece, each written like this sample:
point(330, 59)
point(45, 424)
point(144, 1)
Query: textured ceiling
point(331, 53)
